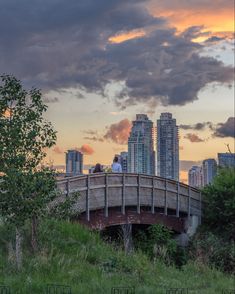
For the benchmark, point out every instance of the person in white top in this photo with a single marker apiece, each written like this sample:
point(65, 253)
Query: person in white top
point(116, 166)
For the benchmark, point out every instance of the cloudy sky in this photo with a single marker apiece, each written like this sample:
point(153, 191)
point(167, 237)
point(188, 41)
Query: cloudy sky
point(99, 62)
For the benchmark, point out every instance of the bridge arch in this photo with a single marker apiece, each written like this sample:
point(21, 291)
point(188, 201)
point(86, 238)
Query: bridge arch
point(116, 198)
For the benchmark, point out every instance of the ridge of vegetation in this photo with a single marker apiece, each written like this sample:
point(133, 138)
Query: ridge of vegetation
point(72, 255)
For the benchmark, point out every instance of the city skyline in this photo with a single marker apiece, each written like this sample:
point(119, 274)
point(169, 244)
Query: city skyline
point(100, 63)
point(138, 158)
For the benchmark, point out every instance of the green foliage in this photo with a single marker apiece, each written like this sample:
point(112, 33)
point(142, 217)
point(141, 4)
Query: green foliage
point(72, 255)
point(27, 194)
point(219, 204)
point(159, 244)
point(64, 210)
point(213, 244)
point(24, 133)
point(25, 189)
point(213, 251)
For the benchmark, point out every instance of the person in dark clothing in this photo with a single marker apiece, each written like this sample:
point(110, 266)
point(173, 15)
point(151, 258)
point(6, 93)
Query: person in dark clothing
point(98, 168)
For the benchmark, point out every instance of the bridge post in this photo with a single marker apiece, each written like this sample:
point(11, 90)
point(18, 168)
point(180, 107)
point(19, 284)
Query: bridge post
point(178, 200)
point(88, 198)
point(165, 198)
point(189, 203)
point(138, 194)
point(152, 197)
point(200, 207)
point(106, 208)
point(123, 194)
point(67, 188)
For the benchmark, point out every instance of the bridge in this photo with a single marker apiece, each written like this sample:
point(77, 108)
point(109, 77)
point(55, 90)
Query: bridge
point(109, 199)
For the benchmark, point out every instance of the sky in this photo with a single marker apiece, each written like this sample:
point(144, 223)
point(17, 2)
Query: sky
point(98, 63)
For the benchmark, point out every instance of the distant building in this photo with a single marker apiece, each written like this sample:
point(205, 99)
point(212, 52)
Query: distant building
point(123, 160)
point(91, 169)
point(195, 176)
point(226, 159)
point(209, 169)
point(74, 163)
point(167, 147)
point(140, 146)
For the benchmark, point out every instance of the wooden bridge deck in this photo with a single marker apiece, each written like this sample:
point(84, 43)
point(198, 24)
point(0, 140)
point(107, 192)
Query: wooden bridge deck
point(121, 191)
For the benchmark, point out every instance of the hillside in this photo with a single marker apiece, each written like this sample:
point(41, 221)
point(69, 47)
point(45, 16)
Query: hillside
point(74, 256)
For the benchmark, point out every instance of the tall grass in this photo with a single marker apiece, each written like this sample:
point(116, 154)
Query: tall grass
point(72, 255)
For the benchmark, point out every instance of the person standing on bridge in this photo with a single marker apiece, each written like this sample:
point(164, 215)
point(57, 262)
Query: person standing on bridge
point(98, 168)
point(116, 166)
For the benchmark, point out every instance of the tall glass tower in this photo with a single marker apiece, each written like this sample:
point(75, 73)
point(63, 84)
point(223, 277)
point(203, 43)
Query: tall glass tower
point(140, 146)
point(74, 163)
point(209, 167)
point(167, 147)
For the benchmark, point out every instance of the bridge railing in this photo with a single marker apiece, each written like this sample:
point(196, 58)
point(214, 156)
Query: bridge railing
point(107, 190)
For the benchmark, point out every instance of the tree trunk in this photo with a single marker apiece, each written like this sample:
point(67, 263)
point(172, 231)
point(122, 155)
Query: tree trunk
point(18, 249)
point(11, 253)
point(127, 238)
point(34, 228)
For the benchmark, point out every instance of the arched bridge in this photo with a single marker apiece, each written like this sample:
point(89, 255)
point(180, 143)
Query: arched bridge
point(108, 199)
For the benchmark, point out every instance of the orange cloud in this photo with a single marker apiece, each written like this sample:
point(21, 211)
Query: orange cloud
point(121, 37)
point(58, 150)
point(216, 17)
point(119, 132)
point(86, 149)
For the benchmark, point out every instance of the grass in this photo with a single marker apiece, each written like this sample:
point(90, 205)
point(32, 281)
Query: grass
point(72, 255)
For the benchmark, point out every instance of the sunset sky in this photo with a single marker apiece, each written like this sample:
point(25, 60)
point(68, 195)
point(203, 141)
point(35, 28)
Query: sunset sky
point(99, 62)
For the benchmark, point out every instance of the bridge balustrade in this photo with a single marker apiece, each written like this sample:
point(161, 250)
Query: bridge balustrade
point(109, 190)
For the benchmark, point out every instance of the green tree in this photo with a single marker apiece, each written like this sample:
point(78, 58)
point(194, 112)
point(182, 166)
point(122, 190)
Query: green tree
point(219, 204)
point(25, 189)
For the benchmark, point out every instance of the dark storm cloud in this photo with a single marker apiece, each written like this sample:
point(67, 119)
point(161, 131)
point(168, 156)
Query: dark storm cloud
point(197, 127)
point(60, 44)
point(194, 138)
point(94, 138)
point(226, 129)
point(215, 39)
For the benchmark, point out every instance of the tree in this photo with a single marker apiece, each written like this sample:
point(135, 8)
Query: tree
point(25, 189)
point(219, 204)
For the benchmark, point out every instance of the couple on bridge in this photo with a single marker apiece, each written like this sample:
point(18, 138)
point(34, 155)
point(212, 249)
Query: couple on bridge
point(116, 167)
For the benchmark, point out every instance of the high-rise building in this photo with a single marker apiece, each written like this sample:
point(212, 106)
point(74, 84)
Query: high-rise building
point(74, 163)
point(167, 147)
point(195, 176)
point(226, 159)
point(209, 169)
point(123, 160)
point(140, 146)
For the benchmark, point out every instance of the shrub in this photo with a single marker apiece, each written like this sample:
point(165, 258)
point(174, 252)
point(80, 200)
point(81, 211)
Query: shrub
point(213, 251)
point(219, 204)
point(158, 243)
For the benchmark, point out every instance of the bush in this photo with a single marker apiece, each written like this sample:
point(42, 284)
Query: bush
point(158, 243)
point(213, 251)
point(219, 204)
